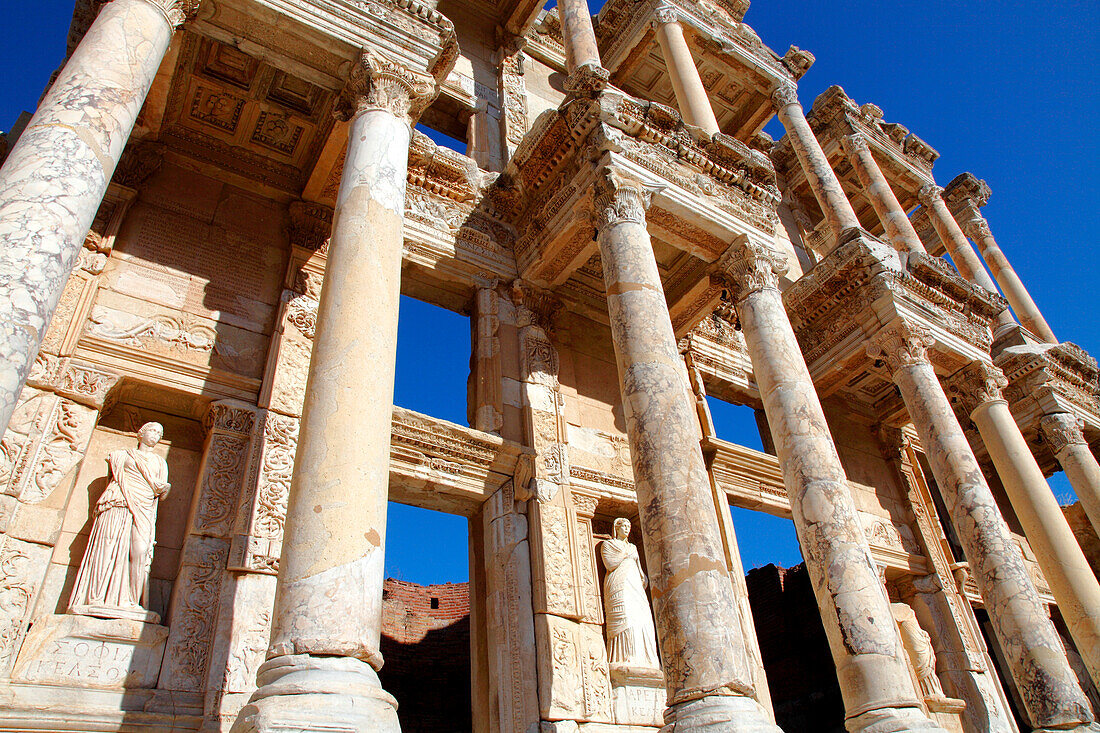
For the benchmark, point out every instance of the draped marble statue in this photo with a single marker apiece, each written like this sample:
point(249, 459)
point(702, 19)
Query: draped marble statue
point(113, 578)
point(918, 645)
point(631, 638)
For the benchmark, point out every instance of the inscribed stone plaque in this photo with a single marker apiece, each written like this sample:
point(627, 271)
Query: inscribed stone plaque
point(91, 652)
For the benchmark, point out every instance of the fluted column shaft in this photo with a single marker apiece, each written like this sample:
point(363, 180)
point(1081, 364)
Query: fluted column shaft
point(899, 230)
point(691, 96)
point(874, 680)
point(823, 182)
point(1011, 285)
point(327, 619)
point(55, 177)
point(578, 35)
point(707, 672)
point(1071, 580)
point(1051, 694)
point(1063, 432)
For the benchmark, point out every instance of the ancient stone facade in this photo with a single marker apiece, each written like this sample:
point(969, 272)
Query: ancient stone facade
point(208, 223)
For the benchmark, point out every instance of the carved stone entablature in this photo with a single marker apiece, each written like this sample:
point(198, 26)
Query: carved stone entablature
point(622, 26)
point(863, 284)
point(905, 159)
point(442, 170)
point(729, 188)
point(1046, 379)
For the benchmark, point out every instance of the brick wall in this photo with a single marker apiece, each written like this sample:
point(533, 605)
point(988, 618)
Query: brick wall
point(426, 648)
point(799, 667)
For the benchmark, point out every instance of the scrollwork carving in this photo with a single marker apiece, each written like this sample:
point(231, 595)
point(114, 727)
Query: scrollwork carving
point(901, 344)
point(1062, 430)
point(618, 201)
point(377, 83)
point(749, 268)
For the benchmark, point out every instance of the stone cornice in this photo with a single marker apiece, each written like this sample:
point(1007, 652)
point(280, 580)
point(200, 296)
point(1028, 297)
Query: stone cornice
point(1064, 369)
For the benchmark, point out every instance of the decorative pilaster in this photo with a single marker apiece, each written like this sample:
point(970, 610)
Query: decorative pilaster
point(1063, 431)
point(977, 228)
point(324, 654)
point(707, 671)
point(823, 181)
point(1051, 695)
point(1064, 566)
point(54, 178)
point(691, 95)
point(877, 688)
point(899, 231)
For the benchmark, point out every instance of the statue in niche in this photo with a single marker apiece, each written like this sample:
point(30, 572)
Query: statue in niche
point(631, 638)
point(113, 580)
point(918, 645)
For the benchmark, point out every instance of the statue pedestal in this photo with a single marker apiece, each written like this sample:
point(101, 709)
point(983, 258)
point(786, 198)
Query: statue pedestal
point(137, 613)
point(638, 695)
point(83, 651)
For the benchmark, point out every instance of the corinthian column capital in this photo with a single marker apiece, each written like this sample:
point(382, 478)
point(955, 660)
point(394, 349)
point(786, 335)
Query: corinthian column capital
point(618, 200)
point(749, 268)
point(855, 143)
point(928, 194)
point(977, 228)
point(376, 82)
point(1062, 430)
point(666, 14)
point(783, 95)
point(976, 384)
point(901, 344)
point(177, 12)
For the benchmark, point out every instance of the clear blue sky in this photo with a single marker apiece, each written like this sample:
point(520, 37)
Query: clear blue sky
point(1006, 90)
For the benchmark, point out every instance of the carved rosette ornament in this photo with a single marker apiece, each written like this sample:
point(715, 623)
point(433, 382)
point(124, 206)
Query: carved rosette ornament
point(783, 95)
point(976, 384)
point(176, 12)
point(901, 344)
point(977, 228)
point(618, 201)
point(749, 268)
point(1062, 430)
point(928, 194)
point(377, 83)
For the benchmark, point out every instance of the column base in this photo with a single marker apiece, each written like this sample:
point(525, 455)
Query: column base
point(718, 714)
point(299, 692)
point(892, 720)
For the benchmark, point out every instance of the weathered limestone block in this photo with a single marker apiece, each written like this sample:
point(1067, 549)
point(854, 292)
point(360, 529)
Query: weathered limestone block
point(574, 678)
point(22, 568)
point(91, 652)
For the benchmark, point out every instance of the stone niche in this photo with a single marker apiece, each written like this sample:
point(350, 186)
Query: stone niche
point(62, 648)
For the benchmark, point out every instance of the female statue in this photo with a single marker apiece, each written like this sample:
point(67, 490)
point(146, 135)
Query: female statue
point(631, 639)
point(114, 575)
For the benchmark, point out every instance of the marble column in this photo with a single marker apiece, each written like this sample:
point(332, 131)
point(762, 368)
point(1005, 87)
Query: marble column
point(823, 182)
point(874, 680)
point(1071, 580)
point(691, 96)
point(899, 230)
point(55, 177)
point(1033, 652)
point(955, 242)
point(707, 671)
point(1063, 431)
point(324, 651)
point(1013, 288)
point(578, 35)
